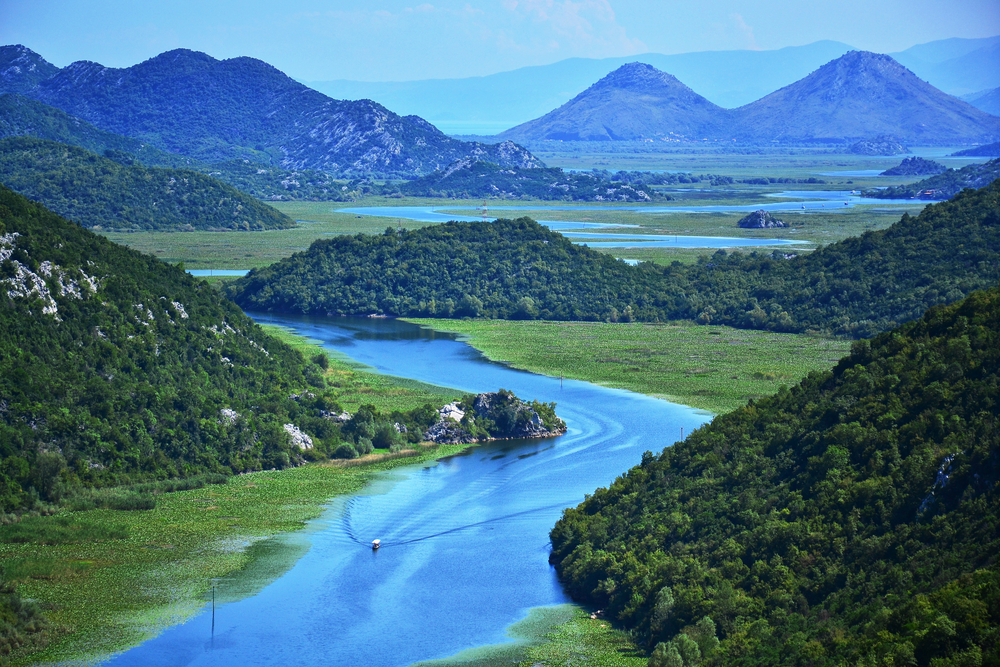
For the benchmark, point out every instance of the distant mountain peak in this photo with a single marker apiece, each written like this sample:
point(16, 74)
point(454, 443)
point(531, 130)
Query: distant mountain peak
point(635, 101)
point(21, 69)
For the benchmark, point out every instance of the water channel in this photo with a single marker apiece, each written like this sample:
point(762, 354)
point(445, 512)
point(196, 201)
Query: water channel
point(465, 541)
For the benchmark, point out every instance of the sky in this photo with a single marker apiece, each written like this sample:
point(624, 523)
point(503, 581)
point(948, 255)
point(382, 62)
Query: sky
point(400, 40)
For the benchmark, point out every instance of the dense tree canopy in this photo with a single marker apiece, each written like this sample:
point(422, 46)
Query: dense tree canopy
point(943, 185)
point(98, 191)
point(852, 519)
point(116, 367)
point(519, 269)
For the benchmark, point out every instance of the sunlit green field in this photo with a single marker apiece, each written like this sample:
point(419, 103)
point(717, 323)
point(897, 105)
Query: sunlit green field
point(709, 367)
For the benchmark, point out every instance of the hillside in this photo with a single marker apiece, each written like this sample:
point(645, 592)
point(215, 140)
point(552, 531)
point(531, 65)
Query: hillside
point(22, 116)
point(943, 185)
point(985, 100)
point(189, 103)
point(21, 69)
point(116, 367)
point(851, 519)
point(95, 191)
point(861, 95)
point(636, 101)
point(482, 179)
point(521, 270)
point(988, 150)
point(915, 166)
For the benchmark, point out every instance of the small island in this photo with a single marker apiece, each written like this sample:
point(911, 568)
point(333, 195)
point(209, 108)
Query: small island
point(760, 220)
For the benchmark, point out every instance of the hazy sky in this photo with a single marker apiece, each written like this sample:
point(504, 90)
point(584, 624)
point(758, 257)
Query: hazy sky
point(380, 40)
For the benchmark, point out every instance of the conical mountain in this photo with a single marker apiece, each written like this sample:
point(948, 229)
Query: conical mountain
point(21, 69)
point(636, 101)
point(189, 103)
point(860, 95)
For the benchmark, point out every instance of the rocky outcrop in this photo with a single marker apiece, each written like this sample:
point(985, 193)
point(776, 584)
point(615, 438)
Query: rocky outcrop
point(760, 220)
point(496, 415)
point(883, 145)
point(915, 166)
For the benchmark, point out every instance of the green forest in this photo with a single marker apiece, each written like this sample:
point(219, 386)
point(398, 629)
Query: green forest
point(101, 192)
point(518, 269)
point(852, 519)
point(944, 185)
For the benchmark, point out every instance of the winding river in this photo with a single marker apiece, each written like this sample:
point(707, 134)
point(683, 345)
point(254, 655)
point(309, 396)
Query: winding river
point(465, 541)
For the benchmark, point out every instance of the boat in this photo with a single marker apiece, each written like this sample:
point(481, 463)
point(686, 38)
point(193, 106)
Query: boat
point(376, 544)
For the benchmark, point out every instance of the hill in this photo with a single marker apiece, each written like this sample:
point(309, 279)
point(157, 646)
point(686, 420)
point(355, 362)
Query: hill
point(22, 116)
point(116, 368)
point(915, 166)
point(21, 69)
point(988, 150)
point(517, 269)
point(482, 179)
point(636, 101)
point(985, 100)
point(189, 103)
point(861, 95)
point(943, 185)
point(98, 192)
point(851, 519)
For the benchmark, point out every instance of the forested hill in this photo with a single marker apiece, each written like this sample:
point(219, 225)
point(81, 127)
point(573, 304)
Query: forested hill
point(943, 185)
point(98, 192)
point(853, 519)
point(22, 116)
point(466, 179)
point(116, 367)
point(519, 269)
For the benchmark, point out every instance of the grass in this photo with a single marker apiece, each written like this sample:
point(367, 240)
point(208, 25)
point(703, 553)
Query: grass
point(714, 368)
point(357, 385)
point(561, 636)
point(110, 579)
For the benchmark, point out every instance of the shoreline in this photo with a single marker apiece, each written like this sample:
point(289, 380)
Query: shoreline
point(175, 551)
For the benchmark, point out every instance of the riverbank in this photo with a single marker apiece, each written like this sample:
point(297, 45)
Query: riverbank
point(107, 579)
point(713, 368)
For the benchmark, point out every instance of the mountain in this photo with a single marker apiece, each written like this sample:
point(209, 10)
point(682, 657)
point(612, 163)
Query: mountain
point(21, 69)
point(852, 519)
point(22, 116)
point(98, 192)
point(861, 95)
point(517, 269)
point(458, 106)
point(956, 66)
point(985, 100)
point(116, 367)
point(945, 184)
point(191, 104)
point(636, 101)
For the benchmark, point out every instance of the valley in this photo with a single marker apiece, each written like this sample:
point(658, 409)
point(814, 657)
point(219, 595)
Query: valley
point(778, 442)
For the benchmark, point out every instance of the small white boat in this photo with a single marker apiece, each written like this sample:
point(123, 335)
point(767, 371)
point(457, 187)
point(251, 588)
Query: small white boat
point(376, 544)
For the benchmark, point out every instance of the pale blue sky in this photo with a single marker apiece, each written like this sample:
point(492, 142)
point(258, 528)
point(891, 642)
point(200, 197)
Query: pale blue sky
point(410, 39)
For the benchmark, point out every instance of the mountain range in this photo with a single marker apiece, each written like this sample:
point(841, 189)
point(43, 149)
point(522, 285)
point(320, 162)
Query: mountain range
point(191, 104)
point(489, 104)
point(856, 96)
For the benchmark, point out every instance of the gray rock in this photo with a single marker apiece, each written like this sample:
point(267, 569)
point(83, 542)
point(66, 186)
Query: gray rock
point(760, 220)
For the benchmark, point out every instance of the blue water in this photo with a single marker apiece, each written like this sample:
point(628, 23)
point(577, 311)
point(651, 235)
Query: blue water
point(218, 272)
point(465, 542)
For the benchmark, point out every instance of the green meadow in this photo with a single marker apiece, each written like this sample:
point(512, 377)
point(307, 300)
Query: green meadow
point(714, 368)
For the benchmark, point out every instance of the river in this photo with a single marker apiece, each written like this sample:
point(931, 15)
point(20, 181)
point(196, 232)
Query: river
point(465, 541)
